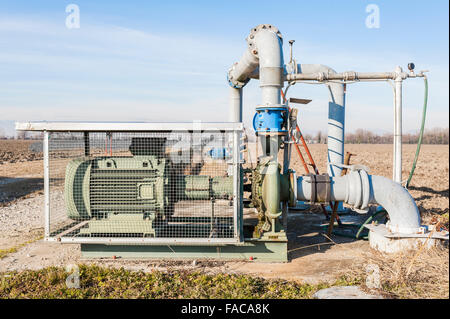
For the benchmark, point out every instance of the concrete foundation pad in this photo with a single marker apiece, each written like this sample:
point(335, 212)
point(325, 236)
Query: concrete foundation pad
point(382, 240)
point(346, 292)
point(262, 251)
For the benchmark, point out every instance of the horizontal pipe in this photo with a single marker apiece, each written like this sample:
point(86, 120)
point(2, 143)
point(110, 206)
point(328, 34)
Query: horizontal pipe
point(350, 76)
point(343, 76)
point(359, 189)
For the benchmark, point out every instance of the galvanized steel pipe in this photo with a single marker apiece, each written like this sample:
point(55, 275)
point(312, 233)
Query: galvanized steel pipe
point(397, 158)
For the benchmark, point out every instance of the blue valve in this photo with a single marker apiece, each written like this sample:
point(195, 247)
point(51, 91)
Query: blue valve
point(219, 153)
point(270, 119)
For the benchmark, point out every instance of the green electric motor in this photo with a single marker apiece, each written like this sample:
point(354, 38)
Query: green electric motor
point(145, 183)
point(95, 187)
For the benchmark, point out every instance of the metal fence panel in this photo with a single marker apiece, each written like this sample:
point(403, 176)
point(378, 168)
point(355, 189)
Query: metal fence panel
point(143, 187)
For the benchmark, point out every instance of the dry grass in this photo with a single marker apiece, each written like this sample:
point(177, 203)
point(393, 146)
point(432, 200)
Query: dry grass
point(410, 275)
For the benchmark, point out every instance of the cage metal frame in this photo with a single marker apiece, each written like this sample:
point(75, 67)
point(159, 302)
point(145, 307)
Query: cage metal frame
point(236, 128)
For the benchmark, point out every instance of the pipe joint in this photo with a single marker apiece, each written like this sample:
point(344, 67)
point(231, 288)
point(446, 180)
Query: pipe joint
point(320, 188)
point(262, 27)
point(360, 189)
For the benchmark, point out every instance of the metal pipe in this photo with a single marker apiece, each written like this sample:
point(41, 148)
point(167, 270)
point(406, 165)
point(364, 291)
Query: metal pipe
point(264, 52)
point(269, 50)
point(46, 186)
point(397, 158)
point(360, 189)
point(238, 74)
point(336, 117)
point(349, 75)
point(271, 194)
point(235, 105)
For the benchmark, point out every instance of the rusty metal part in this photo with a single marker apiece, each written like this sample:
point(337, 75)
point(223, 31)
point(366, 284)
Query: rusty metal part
point(305, 166)
point(320, 188)
point(334, 214)
point(332, 218)
point(347, 157)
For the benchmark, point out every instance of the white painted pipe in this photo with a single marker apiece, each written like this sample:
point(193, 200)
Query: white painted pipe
point(239, 72)
point(264, 52)
point(269, 47)
point(235, 105)
point(397, 158)
point(349, 76)
point(336, 118)
point(360, 189)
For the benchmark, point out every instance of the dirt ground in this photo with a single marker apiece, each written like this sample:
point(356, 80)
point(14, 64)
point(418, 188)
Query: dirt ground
point(313, 258)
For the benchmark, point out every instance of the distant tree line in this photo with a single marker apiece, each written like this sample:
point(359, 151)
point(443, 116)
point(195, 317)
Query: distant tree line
point(360, 136)
point(430, 136)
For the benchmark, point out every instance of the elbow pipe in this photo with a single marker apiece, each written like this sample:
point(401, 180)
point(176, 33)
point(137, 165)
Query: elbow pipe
point(264, 51)
point(359, 189)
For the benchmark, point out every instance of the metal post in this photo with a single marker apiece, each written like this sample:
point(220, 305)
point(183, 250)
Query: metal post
point(286, 160)
point(87, 150)
point(236, 185)
point(397, 167)
point(46, 186)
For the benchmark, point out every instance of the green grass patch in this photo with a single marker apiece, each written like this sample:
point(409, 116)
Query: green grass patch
point(102, 282)
point(5, 252)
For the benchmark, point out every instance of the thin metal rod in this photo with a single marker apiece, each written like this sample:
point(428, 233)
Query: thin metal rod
point(397, 171)
point(236, 185)
point(46, 186)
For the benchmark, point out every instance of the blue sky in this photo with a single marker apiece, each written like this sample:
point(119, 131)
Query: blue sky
point(167, 60)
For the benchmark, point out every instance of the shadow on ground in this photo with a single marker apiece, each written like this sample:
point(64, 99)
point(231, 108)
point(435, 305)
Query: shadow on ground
point(307, 232)
point(12, 189)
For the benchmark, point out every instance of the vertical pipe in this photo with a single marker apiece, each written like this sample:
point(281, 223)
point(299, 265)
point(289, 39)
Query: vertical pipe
point(46, 186)
point(336, 117)
point(270, 66)
point(397, 171)
point(336, 128)
point(235, 114)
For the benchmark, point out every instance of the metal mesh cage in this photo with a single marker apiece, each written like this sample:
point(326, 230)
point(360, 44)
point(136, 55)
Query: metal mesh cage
point(145, 187)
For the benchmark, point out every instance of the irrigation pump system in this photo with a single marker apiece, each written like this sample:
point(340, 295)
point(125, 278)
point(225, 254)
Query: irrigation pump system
point(162, 190)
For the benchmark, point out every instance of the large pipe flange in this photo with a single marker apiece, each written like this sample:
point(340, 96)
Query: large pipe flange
point(266, 27)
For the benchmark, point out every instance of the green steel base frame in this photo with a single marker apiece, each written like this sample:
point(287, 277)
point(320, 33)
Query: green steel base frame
point(262, 251)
